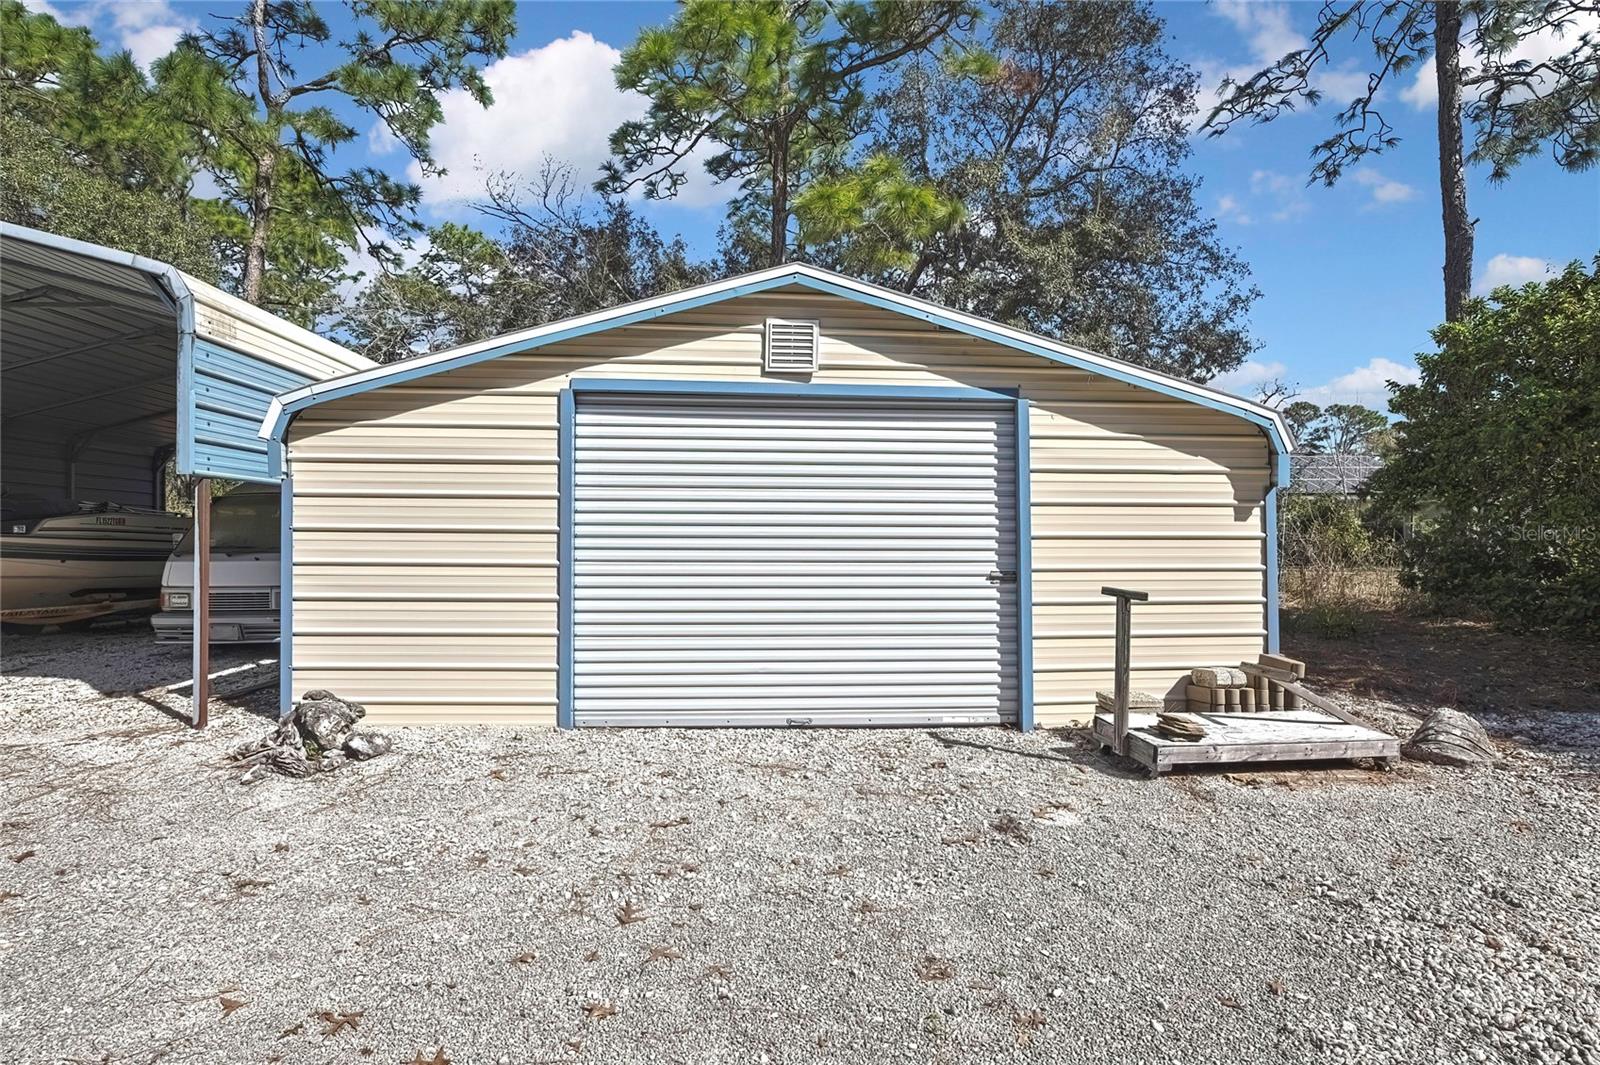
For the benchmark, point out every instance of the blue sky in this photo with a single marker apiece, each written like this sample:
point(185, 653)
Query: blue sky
point(1350, 276)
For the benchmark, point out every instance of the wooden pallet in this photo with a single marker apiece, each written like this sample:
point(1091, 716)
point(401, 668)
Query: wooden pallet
point(1308, 734)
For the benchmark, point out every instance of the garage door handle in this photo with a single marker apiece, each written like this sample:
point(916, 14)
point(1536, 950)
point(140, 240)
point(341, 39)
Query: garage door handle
point(1003, 576)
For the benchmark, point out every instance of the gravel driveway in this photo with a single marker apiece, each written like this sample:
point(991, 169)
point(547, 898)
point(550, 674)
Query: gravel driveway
point(767, 896)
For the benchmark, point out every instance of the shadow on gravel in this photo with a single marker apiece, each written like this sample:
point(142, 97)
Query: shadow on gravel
point(1074, 754)
point(127, 662)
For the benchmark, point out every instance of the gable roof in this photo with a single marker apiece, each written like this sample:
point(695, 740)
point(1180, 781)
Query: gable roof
point(1269, 420)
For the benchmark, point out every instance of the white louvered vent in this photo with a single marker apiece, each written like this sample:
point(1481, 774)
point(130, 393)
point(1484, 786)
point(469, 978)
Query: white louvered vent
point(792, 346)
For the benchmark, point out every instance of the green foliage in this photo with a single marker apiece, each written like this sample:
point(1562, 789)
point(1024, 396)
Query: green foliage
point(560, 257)
point(1340, 428)
point(267, 133)
point(83, 150)
point(774, 91)
point(877, 212)
point(45, 184)
point(1498, 457)
point(1324, 530)
point(1067, 155)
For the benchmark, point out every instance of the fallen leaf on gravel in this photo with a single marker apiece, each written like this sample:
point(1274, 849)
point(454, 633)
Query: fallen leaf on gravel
point(970, 837)
point(673, 822)
point(247, 887)
point(497, 774)
point(599, 1011)
point(231, 1004)
point(24, 856)
point(336, 1021)
point(719, 972)
point(867, 906)
point(932, 968)
point(630, 913)
point(663, 954)
point(527, 957)
point(593, 955)
point(279, 848)
point(938, 763)
point(480, 859)
point(1492, 942)
point(1231, 1002)
point(1011, 825)
point(1044, 872)
point(9, 894)
point(1027, 1026)
point(838, 870)
point(294, 1029)
point(575, 1045)
point(1520, 825)
point(524, 870)
point(437, 1059)
point(1275, 986)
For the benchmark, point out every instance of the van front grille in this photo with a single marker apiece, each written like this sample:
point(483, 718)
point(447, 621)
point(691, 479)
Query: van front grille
point(254, 600)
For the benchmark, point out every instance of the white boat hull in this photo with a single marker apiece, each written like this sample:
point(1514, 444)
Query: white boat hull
point(76, 566)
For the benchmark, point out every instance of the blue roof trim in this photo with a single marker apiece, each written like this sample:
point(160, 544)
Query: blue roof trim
point(283, 410)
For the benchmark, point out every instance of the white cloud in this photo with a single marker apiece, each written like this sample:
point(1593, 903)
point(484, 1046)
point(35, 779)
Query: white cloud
point(1367, 385)
point(1266, 27)
point(1285, 195)
point(1269, 35)
point(559, 100)
point(149, 29)
point(1536, 48)
point(1511, 270)
point(1231, 210)
point(1384, 190)
point(1243, 379)
point(41, 7)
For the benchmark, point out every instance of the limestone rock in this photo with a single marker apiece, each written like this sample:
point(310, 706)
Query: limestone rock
point(326, 719)
point(363, 745)
point(1449, 737)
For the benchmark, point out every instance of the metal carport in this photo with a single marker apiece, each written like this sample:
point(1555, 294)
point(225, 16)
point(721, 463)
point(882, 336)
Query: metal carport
point(110, 361)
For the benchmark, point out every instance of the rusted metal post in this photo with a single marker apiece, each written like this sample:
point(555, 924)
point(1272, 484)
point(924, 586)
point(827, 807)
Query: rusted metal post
point(201, 601)
point(1123, 678)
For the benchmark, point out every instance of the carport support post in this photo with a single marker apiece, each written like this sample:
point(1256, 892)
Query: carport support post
point(201, 600)
point(1124, 668)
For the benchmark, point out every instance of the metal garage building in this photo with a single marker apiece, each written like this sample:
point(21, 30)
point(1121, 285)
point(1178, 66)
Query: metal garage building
point(111, 362)
point(784, 498)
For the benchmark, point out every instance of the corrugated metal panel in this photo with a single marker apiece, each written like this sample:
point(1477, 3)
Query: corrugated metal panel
point(99, 362)
point(762, 561)
point(228, 399)
point(481, 435)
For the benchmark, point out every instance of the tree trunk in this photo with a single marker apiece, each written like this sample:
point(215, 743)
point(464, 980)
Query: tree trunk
point(255, 256)
point(778, 242)
point(1452, 174)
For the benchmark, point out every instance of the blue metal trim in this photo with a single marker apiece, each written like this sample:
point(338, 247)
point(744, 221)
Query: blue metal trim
point(1270, 518)
point(566, 428)
point(285, 593)
point(787, 388)
point(227, 395)
point(1024, 533)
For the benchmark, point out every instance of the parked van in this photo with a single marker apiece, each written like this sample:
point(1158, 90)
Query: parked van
point(244, 572)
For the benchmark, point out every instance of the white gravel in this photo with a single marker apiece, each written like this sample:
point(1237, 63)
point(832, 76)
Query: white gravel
point(854, 896)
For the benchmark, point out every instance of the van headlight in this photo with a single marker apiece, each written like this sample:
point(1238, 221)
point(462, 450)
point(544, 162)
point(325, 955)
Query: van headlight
point(174, 600)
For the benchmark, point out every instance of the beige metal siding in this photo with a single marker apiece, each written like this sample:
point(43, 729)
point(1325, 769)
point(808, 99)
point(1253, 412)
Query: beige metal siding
point(424, 568)
point(233, 323)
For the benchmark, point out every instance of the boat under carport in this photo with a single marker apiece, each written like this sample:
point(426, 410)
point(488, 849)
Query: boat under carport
point(110, 363)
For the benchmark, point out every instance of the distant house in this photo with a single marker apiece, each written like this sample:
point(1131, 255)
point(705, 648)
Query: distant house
point(1333, 474)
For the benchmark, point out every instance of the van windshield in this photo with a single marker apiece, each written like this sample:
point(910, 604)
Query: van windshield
point(246, 522)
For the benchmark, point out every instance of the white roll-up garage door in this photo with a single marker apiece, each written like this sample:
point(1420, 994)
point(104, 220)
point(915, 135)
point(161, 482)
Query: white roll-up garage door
point(772, 560)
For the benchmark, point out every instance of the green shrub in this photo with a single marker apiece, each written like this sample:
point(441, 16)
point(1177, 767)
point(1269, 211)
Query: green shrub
point(1498, 461)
